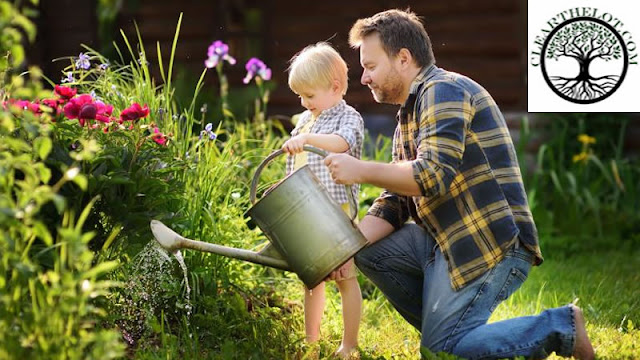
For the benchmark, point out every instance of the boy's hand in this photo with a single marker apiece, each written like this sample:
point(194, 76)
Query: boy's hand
point(295, 144)
point(342, 272)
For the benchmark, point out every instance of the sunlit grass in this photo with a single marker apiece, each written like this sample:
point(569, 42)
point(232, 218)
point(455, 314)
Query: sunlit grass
point(606, 286)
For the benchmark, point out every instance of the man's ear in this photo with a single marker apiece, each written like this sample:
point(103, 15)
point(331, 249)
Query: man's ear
point(404, 57)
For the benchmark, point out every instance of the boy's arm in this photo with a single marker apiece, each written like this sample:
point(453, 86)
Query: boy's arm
point(349, 134)
point(330, 142)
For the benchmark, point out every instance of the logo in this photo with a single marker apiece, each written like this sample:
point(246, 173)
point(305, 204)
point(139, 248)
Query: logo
point(583, 54)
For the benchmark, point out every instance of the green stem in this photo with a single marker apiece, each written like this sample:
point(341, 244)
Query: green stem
point(135, 153)
point(224, 92)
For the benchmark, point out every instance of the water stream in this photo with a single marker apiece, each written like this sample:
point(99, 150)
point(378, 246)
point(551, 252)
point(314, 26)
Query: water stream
point(183, 266)
point(151, 290)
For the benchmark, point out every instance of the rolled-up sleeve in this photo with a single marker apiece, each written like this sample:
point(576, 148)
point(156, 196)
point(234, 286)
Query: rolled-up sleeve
point(445, 112)
point(350, 128)
point(390, 207)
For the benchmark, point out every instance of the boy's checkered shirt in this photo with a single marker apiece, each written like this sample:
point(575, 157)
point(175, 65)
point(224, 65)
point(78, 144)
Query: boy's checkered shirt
point(342, 120)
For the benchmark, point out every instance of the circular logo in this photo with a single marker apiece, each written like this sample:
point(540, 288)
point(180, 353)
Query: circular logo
point(584, 60)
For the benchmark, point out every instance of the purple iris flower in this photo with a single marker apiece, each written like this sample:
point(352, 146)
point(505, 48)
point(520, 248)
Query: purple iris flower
point(83, 61)
point(217, 52)
point(69, 78)
point(255, 67)
point(208, 130)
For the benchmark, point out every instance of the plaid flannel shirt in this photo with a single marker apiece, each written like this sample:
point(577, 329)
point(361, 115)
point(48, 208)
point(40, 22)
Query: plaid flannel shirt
point(473, 200)
point(342, 120)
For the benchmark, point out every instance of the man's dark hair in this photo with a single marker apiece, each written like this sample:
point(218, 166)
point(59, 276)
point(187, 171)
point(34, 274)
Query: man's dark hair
point(397, 29)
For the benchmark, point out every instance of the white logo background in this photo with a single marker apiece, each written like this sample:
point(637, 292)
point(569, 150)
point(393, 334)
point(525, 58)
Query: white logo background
point(541, 98)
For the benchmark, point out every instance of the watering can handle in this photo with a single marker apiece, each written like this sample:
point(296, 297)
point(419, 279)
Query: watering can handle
point(252, 195)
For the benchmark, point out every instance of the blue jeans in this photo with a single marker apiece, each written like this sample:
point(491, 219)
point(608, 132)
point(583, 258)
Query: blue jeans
point(410, 270)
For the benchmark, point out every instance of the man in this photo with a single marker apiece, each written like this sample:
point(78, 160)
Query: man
point(455, 173)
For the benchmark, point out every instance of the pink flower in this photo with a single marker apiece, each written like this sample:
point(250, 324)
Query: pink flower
point(53, 104)
point(104, 112)
point(134, 112)
point(65, 93)
point(34, 107)
point(84, 108)
point(159, 137)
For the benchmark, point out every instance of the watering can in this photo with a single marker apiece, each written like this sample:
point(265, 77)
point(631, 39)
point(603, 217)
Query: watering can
point(309, 233)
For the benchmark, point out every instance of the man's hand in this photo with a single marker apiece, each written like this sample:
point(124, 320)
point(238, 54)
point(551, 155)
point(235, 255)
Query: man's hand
point(344, 169)
point(295, 144)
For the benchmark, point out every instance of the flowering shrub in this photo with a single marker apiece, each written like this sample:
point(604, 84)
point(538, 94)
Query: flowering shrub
point(112, 156)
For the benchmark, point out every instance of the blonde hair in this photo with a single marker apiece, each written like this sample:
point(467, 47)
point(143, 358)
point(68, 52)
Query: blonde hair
point(317, 66)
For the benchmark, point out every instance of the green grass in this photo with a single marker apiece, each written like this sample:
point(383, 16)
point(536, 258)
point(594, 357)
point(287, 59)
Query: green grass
point(606, 286)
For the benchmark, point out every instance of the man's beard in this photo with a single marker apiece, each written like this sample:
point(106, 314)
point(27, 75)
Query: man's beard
point(390, 89)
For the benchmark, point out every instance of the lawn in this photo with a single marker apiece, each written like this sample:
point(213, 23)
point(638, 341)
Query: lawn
point(605, 285)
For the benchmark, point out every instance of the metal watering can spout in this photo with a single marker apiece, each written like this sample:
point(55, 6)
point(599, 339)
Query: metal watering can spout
point(172, 241)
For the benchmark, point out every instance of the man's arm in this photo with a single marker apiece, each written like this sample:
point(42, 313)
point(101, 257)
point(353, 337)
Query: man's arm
point(440, 147)
point(395, 177)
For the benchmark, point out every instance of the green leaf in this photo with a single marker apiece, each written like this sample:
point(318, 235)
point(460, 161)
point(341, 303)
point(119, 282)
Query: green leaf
point(85, 213)
point(17, 55)
point(59, 202)
point(43, 146)
point(112, 236)
point(45, 173)
point(101, 268)
point(227, 112)
point(41, 231)
point(118, 180)
point(25, 24)
point(81, 181)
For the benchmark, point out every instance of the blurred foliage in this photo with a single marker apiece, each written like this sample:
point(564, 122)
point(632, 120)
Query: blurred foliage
point(584, 190)
point(16, 27)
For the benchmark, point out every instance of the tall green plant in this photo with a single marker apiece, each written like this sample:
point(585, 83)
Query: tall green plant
point(50, 289)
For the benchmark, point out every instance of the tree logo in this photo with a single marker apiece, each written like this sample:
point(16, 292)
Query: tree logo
point(584, 60)
point(585, 55)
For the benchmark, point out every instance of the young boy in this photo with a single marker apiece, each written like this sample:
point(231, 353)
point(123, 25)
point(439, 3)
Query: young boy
point(318, 75)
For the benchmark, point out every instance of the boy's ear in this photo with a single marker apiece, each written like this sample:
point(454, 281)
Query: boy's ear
point(335, 86)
